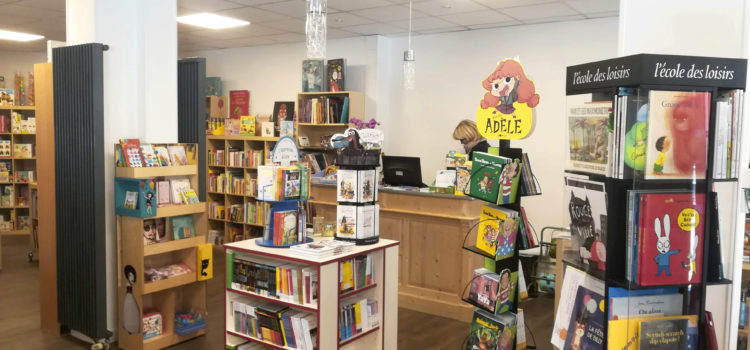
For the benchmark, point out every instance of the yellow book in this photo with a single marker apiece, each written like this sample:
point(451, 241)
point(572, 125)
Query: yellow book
point(205, 261)
point(624, 335)
point(357, 316)
point(347, 280)
point(489, 228)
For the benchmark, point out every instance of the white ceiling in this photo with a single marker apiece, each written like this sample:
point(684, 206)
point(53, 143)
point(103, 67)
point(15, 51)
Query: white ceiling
point(282, 21)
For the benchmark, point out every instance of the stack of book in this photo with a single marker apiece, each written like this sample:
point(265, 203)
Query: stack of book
point(356, 273)
point(498, 230)
point(236, 157)
point(277, 183)
point(253, 158)
point(357, 317)
point(275, 324)
point(216, 210)
point(216, 157)
point(494, 178)
point(729, 107)
point(216, 181)
point(322, 249)
point(286, 282)
point(325, 110)
point(130, 153)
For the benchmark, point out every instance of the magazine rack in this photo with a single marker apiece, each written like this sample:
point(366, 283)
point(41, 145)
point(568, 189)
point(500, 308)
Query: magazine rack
point(510, 263)
point(644, 87)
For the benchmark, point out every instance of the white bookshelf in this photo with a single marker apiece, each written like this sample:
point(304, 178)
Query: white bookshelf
point(384, 290)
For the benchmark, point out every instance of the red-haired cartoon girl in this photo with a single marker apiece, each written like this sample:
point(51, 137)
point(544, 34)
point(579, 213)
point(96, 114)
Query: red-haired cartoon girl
point(508, 84)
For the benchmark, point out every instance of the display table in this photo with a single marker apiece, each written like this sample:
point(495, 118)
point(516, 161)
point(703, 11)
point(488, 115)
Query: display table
point(433, 269)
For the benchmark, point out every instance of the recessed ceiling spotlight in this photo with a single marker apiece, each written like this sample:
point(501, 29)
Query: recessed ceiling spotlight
point(212, 21)
point(447, 6)
point(16, 36)
point(339, 20)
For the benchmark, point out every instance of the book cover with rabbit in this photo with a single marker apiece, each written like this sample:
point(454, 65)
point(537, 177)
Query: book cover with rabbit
point(671, 231)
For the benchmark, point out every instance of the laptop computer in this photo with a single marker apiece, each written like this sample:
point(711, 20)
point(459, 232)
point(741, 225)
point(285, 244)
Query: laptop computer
point(402, 171)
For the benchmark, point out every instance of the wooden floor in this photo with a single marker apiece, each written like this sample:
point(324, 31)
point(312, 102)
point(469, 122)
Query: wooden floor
point(19, 313)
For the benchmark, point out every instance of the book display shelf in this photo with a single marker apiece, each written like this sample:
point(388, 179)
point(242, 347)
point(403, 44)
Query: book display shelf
point(642, 198)
point(322, 114)
point(249, 300)
point(494, 290)
point(147, 309)
point(234, 214)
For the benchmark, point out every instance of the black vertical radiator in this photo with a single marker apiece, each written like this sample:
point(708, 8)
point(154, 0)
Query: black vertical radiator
point(191, 111)
point(79, 189)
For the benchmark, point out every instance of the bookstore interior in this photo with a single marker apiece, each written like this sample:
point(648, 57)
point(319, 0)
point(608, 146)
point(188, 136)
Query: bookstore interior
point(281, 174)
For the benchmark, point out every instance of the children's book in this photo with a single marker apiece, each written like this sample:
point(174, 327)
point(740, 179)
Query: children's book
point(189, 196)
point(587, 210)
point(149, 156)
point(589, 135)
point(336, 73)
point(131, 200)
point(163, 193)
point(346, 221)
point(574, 278)
point(346, 185)
point(5, 148)
point(291, 183)
point(22, 150)
point(163, 155)
point(182, 227)
point(507, 235)
point(213, 86)
point(491, 331)
point(630, 306)
point(239, 103)
point(178, 185)
point(664, 334)
point(506, 295)
point(313, 75)
point(509, 178)
point(367, 186)
point(153, 231)
point(283, 111)
point(267, 129)
point(670, 238)
point(178, 155)
point(586, 329)
point(484, 289)
point(131, 149)
point(463, 177)
point(490, 219)
point(625, 333)
point(365, 221)
point(247, 125)
point(677, 134)
point(286, 128)
point(485, 178)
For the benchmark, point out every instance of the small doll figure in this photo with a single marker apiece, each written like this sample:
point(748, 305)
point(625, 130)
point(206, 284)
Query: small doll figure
point(149, 206)
point(663, 245)
point(663, 144)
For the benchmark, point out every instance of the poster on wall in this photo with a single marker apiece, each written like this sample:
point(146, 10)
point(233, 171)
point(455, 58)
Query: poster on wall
point(505, 110)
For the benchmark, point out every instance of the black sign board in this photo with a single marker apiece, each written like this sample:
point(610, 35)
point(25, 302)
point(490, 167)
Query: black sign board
point(648, 69)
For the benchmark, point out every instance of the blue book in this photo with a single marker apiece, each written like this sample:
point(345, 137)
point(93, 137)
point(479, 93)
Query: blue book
point(345, 111)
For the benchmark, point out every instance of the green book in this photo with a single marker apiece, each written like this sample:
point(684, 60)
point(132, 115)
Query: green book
point(485, 176)
point(230, 268)
point(509, 178)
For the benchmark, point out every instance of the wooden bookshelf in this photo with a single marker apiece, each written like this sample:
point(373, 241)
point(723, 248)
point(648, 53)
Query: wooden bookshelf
point(221, 195)
point(18, 209)
point(167, 296)
point(384, 290)
point(315, 131)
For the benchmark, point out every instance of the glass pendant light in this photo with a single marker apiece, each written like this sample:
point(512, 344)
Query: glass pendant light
point(409, 64)
point(315, 29)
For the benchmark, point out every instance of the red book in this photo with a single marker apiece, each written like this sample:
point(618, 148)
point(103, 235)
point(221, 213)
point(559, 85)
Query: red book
point(529, 234)
point(670, 238)
point(278, 228)
point(239, 103)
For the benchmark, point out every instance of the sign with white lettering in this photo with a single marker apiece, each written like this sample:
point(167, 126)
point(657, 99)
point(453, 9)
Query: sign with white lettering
point(658, 69)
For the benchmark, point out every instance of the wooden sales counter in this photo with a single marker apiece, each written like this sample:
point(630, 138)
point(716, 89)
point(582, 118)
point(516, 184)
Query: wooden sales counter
point(433, 269)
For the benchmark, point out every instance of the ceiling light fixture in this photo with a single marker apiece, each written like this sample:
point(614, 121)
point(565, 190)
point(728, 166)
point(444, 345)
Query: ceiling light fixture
point(316, 29)
point(16, 36)
point(409, 73)
point(212, 21)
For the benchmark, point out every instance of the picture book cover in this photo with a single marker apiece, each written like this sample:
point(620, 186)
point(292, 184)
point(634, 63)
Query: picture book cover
point(239, 103)
point(365, 221)
point(163, 193)
point(149, 156)
point(182, 227)
point(247, 125)
point(490, 220)
point(178, 185)
point(664, 334)
point(346, 185)
point(267, 129)
point(22, 150)
point(131, 149)
point(177, 152)
point(7, 97)
point(291, 183)
point(283, 111)
point(131, 200)
point(484, 289)
point(677, 134)
point(625, 333)
point(589, 134)
point(670, 238)
point(367, 185)
point(506, 295)
point(506, 238)
point(586, 329)
point(491, 331)
point(485, 177)
point(286, 128)
point(633, 147)
point(289, 227)
point(213, 86)
point(163, 155)
point(631, 306)
point(346, 221)
point(463, 177)
point(587, 210)
point(313, 75)
point(154, 231)
point(336, 72)
point(574, 278)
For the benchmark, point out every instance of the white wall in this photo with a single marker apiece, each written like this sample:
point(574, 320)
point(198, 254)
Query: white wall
point(23, 62)
point(450, 68)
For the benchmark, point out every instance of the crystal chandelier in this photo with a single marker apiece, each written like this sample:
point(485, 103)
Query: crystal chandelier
point(409, 64)
point(315, 29)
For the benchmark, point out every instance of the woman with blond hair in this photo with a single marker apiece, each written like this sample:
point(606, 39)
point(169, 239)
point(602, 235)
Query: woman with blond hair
point(467, 133)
